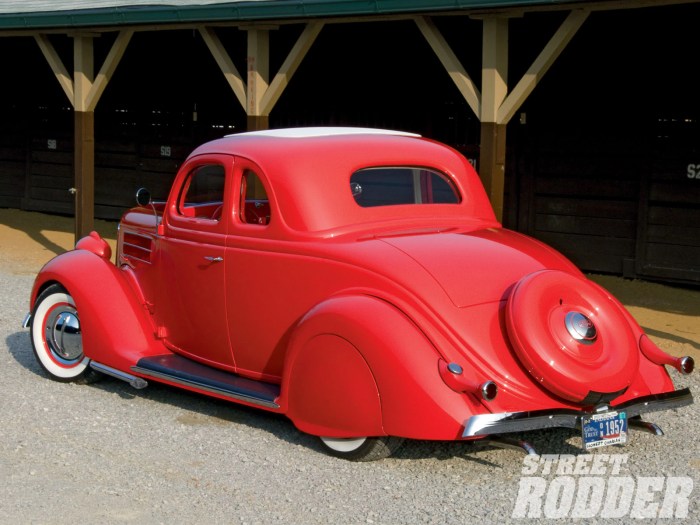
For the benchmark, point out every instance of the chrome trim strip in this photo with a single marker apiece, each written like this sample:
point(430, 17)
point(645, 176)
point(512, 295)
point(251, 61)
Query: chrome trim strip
point(132, 245)
point(27, 320)
point(486, 424)
point(137, 247)
point(146, 251)
point(135, 234)
point(657, 402)
point(133, 257)
point(137, 382)
point(207, 388)
point(504, 422)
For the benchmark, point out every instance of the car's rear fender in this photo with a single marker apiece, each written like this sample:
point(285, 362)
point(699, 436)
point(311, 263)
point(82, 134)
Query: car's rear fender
point(357, 366)
point(115, 327)
point(652, 375)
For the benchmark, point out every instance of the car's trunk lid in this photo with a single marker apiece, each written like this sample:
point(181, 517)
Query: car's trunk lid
point(481, 266)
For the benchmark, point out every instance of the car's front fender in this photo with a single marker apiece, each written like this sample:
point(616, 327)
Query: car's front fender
point(115, 326)
point(358, 366)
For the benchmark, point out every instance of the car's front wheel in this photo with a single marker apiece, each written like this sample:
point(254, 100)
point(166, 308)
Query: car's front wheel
point(57, 338)
point(363, 448)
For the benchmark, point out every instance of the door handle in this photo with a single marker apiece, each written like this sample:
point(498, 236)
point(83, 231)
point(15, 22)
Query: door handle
point(213, 259)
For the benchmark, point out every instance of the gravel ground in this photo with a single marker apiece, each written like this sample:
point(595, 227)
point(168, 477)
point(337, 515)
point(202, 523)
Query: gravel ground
point(105, 453)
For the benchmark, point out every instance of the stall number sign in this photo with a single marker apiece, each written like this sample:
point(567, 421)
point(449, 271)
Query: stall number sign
point(694, 171)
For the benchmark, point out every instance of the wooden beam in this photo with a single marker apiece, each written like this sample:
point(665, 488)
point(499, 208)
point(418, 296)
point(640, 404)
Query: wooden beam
point(108, 67)
point(541, 65)
point(451, 63)
point(258, 69)
point(494, 67)
point(56, 64)
point(228, 68)
point(289, 67)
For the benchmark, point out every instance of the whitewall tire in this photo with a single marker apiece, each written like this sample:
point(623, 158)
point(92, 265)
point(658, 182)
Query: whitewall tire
point(362, 448)
point(57, 337)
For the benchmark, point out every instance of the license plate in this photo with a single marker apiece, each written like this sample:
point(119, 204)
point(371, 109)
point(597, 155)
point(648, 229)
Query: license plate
point(606, 428)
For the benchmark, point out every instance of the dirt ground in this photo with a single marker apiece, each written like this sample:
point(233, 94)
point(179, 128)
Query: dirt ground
point(669, 314)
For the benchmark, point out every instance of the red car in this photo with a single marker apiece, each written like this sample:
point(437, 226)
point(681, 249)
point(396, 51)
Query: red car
point(357, 281)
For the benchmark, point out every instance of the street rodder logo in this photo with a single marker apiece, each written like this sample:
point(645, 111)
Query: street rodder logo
point(588, 486)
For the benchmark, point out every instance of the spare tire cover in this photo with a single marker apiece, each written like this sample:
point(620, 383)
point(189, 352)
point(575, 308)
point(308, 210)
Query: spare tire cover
point(571, 337)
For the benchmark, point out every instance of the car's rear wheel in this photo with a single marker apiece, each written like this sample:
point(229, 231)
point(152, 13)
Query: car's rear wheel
point(363, 448)
point(57, 337)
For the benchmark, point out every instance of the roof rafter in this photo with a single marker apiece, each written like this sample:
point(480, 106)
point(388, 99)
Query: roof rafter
point(541, 65)
point(59, 70)
point(87, 97)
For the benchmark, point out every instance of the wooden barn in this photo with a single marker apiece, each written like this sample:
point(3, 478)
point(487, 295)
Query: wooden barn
point(583, 117)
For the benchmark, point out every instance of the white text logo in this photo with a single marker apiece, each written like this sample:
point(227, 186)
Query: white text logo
point(587, 486)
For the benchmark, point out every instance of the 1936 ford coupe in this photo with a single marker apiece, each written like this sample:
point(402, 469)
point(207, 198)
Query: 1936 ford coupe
point(357, 281)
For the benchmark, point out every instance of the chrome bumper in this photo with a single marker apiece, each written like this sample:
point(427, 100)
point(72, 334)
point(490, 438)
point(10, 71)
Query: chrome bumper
point(504, 422)
point(27, 320)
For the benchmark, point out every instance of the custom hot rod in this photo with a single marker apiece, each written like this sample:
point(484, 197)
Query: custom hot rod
point(357, 281)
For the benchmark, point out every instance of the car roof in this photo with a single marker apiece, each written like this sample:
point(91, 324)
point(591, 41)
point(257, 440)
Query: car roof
point(321, 132)
point(309, 172)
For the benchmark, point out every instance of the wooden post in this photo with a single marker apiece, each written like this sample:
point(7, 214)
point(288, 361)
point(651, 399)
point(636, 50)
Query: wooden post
point(84, 138)
point(84, 173)
point(83, 91)
point(258, 77)
point(258, 122)
point(494, 80)
point(492, 163)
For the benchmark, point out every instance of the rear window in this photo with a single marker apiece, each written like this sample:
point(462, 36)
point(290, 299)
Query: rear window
point(389, 186)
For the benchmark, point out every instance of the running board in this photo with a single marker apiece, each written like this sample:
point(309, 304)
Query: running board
point(183, 371)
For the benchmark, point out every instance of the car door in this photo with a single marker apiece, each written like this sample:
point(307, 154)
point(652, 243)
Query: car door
point(192, 306)
point(255, 260)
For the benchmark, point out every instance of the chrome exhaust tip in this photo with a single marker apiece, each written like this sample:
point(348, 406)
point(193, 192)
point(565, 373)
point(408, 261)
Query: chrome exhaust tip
point(489, 390)
point(136, 382)
point(646, 426)
point(507, 443)
point(687, 365)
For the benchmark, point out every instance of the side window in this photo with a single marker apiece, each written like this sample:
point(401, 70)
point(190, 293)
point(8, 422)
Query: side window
point(203, 193)
point(401, 185)
point(254, 206)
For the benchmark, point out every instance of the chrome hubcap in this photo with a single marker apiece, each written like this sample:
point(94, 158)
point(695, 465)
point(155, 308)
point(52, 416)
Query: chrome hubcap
point(63, 335)
point(581, 328)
